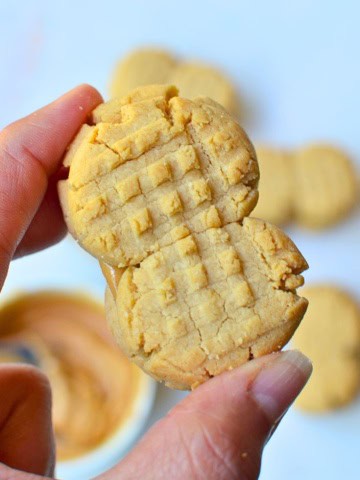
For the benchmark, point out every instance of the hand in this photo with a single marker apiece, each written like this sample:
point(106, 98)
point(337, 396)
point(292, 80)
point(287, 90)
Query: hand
point(217, 432)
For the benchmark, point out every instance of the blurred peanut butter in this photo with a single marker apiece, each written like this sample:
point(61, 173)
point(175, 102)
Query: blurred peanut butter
point(94, 386)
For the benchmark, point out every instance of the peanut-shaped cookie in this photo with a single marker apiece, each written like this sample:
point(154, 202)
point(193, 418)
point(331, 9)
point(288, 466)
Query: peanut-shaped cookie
point(159, 189)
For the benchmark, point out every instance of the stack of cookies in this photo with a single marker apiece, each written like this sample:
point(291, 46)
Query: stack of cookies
point(160, 189)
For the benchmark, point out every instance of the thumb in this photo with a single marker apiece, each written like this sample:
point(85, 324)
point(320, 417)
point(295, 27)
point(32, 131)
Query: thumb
point(219, 430)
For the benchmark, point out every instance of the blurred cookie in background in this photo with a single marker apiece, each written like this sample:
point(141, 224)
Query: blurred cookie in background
point(325, 185)
point(330, 336)
point(276, 186)
point(145, 66)
point(197, 79)
point(315, 186)
point(95, 387)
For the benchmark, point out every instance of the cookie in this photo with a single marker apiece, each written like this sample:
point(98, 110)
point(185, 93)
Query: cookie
point(325, 185)
point(153, 66)
point(330, 336)
point(152, 163)
point(276, 189)
point(209, 302)
point(141, 67)
point(159, 189)
point(196, 79)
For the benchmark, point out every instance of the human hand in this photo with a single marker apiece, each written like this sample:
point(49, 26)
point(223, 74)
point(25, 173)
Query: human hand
point(217, 432)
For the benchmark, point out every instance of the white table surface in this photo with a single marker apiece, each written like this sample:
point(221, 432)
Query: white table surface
point(297, 66)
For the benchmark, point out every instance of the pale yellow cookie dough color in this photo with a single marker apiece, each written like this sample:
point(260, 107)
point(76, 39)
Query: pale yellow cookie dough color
point(197, 79)
point(325, 185)
point(330, 336)
point(144, 66)
point(160, 188)
point(276, 187)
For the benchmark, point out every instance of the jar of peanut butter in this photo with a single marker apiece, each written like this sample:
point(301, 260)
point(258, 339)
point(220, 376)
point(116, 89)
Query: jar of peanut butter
point(100, 399)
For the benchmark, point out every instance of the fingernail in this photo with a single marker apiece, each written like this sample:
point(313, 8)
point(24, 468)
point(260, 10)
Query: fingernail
point(279, 383)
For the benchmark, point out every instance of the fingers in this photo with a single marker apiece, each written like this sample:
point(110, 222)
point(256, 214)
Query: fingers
point(7, 473)
point(31, 150)
point(26, 435)
point(47, 227)
point(219, 430)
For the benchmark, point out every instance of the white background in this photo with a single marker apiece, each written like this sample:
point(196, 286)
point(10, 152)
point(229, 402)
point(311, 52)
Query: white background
point(296, 64)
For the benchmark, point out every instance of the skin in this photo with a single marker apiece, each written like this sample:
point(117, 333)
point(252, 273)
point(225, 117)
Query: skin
point(217, 432)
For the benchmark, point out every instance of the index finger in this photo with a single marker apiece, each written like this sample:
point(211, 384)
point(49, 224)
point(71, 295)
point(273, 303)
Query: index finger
point(31, 150)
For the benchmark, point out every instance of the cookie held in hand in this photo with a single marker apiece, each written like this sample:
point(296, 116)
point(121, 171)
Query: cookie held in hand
point(159, 189)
